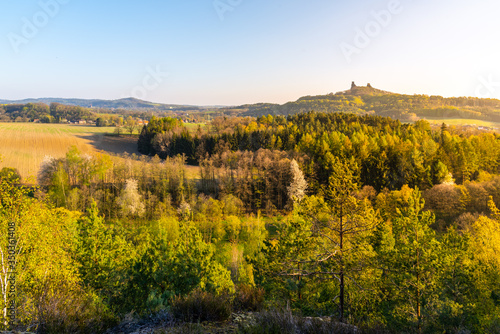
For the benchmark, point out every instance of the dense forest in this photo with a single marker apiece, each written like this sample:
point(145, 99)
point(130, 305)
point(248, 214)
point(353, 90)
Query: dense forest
point(387, 153)
point(314, 223)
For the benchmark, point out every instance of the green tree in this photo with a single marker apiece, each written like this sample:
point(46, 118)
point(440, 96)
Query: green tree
point(330, 240)
point(49, 293)
point(101, 252)
point(176, 261)
point(411, 262)
point(346, 226)
point(131, 125)
point(59, 186)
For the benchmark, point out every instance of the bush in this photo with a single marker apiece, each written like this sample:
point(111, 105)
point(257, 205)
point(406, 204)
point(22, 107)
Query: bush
point(10, 174)
point(283, 321)
point(201, 306)
point(271, 322)
point(248, 298)
point(73, 312)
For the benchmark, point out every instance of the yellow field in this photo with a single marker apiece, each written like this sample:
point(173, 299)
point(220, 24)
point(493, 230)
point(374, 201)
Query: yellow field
point(462, 121)
point(24, 145)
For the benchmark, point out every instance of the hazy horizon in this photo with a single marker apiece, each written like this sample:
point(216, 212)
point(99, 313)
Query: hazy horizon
point(233, 52)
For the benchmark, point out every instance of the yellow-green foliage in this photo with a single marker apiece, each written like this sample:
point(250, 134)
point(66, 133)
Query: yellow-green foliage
point(49, 292)
point(486, 241)
point(233, 227)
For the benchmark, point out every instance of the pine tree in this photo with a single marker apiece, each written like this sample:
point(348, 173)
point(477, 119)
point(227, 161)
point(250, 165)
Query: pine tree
point(411, 262)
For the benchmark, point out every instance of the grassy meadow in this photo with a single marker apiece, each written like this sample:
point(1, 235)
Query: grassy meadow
point(24, 145)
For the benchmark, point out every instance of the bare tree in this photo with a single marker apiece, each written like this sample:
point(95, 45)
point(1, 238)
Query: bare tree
point(47, 168)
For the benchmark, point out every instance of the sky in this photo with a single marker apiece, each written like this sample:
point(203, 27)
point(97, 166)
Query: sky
point(233, 52)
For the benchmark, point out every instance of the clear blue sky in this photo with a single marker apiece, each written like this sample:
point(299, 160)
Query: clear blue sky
point(261, 51)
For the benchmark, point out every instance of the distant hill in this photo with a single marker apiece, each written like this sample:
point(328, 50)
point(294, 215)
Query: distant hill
point(127, 103)
point(369, 100)
point(358, 100)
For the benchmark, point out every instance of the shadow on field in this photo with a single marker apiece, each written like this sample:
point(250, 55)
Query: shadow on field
point(113, 144)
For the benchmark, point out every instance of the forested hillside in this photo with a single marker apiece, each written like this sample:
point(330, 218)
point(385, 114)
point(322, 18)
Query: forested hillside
point(363, 100)
point(124, 104)
point(359, 100)
point(314, 222)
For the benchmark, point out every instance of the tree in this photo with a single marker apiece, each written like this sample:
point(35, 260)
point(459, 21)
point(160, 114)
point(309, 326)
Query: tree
point(176, 261)
point(411, 262)
point(330, 239)
point(118, 130)
point(101, 253)
point(47, 168)
point(486, 233)
point(345, 228)
point(130, 200)
point(131, 125)
point(60, 186)
point(49, 294)
point(298, 186)
point(101, 121)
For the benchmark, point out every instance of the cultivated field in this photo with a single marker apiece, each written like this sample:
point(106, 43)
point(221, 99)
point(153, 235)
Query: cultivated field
point(463, 121)
point(24, 145)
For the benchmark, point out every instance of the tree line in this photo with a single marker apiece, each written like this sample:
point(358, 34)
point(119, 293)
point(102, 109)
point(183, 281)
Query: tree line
point(388, 153)
point(55, 113)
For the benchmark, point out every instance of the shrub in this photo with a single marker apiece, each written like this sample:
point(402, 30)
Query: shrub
point(248, 298)
point(283, 321)
point(201, 306)
point(73, 312)
point(271, 322)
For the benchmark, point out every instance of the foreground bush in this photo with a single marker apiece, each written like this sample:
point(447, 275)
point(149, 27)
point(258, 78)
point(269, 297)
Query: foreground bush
point(201, 306)
point(248, 298)
point(283, 321)
point(73, 313)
